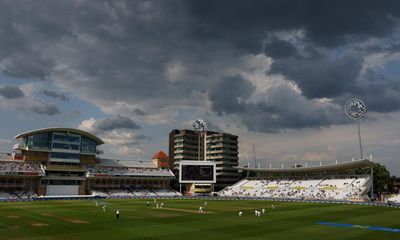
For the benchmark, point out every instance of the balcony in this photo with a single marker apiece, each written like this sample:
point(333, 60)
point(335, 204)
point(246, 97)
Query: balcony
point(186, 141)
point(221, 151)
point(74, 168)
point(222, 157)
point(226, 163)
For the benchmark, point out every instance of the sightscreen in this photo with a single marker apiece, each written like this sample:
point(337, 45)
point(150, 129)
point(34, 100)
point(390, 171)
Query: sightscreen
point(197, 173)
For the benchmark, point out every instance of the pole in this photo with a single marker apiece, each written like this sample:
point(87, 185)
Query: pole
point(205, 146)
point(372, 185)
point(198, 151)
point(254, 156)
point(359, 138)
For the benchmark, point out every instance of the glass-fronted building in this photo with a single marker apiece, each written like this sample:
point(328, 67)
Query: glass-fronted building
point(65, 161)
point(63, 153)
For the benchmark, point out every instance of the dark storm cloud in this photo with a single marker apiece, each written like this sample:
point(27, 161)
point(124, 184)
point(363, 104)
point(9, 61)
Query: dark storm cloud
point(284, 108)
point(212, 126)
point(229, 94)
point(43, 108)
point(164, 52)
point(56, 95)
point(139, 112)
point(119, 122)
point(277, 48)
point(11, 92)
point(320, 75)
point(326, 23)
point(28, 67)
point(380, 93)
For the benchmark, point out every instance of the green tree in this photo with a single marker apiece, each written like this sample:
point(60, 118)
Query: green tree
point(394, 183)
point(381, 177)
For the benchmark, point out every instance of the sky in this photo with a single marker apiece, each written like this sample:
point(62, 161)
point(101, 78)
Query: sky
point(275, 73)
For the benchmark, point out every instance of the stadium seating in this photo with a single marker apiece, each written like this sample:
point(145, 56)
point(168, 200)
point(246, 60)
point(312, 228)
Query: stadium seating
point(310, 189)
point(12, 168)
point(5, 195)
point(394, 199)
point(123, 171)
point(120, 193)
point(100, 193)
point(17, 195)
point(124, 193)
point(167, 193)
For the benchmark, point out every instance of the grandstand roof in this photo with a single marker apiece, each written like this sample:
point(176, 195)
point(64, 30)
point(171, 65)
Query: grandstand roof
point(160, 155)
point(58, 129)
point(320, 168)
point(125, 163)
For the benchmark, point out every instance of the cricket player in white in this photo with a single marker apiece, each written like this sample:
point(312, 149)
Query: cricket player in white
point(161, 205)
point(104, 207)
point(240, 214)
point(157, 206)
point(263, 211)
point(200, 209)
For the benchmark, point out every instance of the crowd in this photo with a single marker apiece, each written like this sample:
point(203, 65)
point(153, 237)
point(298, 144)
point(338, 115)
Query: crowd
point(320, 189)
point(20, 167)
point(128, 193)
point(17, 195)
point(123, 171)
point(394, 199)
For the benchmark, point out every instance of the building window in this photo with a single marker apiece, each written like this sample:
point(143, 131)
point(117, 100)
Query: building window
point(61, 155)
point(66, 141)
point(88, 145)
point(40, 140)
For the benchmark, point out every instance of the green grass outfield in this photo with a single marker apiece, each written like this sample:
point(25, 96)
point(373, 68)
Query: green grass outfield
point(180, 220)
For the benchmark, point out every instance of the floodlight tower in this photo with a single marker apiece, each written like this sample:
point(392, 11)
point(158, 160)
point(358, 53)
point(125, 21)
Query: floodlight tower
point(200, 127)
point(356, 109)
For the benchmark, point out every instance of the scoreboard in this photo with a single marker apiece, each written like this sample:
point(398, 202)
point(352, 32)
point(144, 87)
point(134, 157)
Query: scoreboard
point(197, 172)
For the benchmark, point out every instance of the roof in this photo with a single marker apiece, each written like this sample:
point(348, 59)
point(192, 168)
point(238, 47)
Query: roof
point(125, 163)
point(160, 155)
point(320, 168)
point(58, 129)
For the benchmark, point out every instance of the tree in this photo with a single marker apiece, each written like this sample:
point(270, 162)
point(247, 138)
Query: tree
point(381, 177)
point(394, 183)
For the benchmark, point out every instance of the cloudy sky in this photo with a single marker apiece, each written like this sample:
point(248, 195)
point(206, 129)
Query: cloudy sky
point(275, 73)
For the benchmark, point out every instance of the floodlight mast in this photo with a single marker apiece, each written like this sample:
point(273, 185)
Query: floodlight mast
point(359, 139)
point(355, 109)
point(199, 127)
